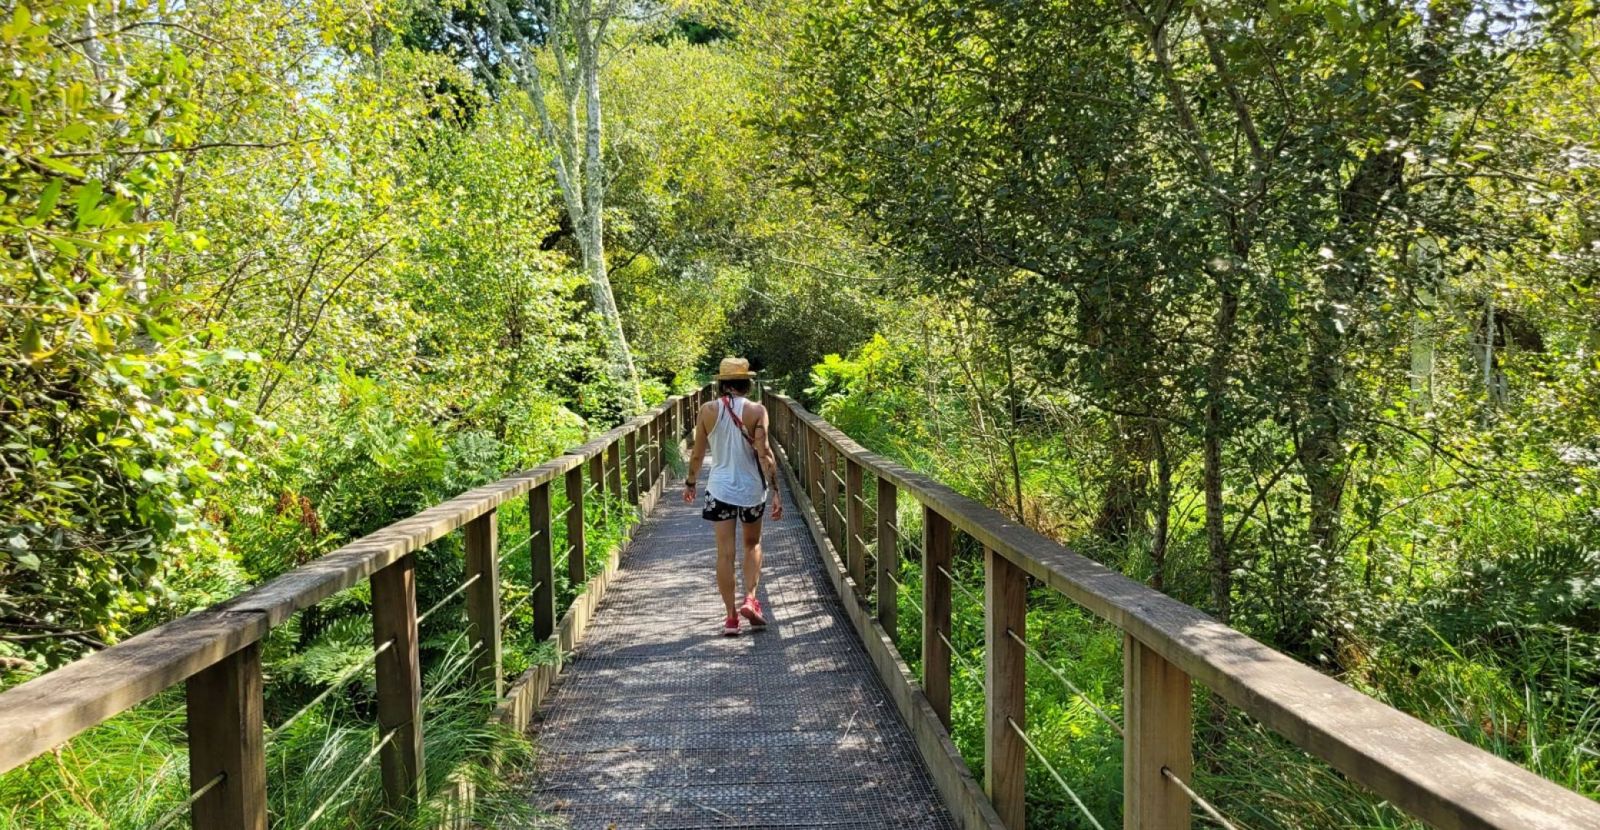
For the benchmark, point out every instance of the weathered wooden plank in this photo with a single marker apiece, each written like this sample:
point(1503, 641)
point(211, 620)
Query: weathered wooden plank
point(576, 564)
point(597, 475)
point(541, 554)
point(813, 464)
point(630, 460)
point(42, 713)
point(483, 600)
point(888, 558)
point(1434, 776)
point(1157, 725)
point(854, 520)
point(399, 679)
point(614, 469)
point(830, 494)
point(227, 748)
point(938, 547)
point(1005, 757)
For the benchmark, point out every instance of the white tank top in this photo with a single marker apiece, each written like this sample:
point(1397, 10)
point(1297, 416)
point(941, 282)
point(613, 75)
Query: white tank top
point(735, 475)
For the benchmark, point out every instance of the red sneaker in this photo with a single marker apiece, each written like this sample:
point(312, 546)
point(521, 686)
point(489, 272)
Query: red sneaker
point(730, 626)
point(751, 610)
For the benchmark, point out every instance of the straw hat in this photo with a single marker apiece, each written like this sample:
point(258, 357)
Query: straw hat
point(734, 368)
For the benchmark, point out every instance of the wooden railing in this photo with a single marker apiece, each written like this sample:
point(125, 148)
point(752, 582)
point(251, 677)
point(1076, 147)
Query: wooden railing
point(1167, 646)
point(216, 653)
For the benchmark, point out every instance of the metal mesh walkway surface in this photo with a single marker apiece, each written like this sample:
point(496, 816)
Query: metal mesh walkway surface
point(662, 722)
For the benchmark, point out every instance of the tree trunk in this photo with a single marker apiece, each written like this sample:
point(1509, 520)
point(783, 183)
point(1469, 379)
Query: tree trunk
point(580, 174)
point(1214, 432)
point(1163, 509)
point(1127, 482)
point(594, 209)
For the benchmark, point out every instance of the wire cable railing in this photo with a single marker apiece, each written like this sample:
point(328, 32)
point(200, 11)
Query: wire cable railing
point(966, 663)
point(456, 592)
point(893, 577)
point(504, 554)
point(956, 584)
point(1049, 767)
point(566, 554)
point(181, 809)
point(914, 544)
point(1204, 805)
point(361, 767)
point(519, 604)
point(1061, 676)
point(333, 685)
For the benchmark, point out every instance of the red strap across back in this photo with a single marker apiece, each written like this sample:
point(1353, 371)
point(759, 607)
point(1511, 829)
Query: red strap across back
point(727, 405)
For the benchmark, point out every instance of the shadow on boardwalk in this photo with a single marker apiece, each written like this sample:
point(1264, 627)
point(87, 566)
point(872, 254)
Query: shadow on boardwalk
point(662, 722)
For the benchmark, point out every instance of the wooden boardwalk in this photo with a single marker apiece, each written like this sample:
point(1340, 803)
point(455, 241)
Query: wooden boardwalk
point(662, 722)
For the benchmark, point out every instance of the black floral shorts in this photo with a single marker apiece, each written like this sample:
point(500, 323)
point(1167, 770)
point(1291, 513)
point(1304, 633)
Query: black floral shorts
point(721, 511)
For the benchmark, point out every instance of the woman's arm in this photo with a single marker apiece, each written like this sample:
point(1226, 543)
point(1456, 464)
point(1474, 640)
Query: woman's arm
point(767, 459)
point(705, 419)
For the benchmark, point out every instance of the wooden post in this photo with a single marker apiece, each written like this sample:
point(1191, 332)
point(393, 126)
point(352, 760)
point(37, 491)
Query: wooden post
point(399, 678)
point(483, 600)
point(853, 510)
point(226, 739)
point(630, 455)
point(1155, 709)
point(577, 573)
point(653, 453)
point(647, 459)
point(1005, 758)
point(938, 543)
point(888, 558)
point(830, 488)
point(813, 445)
point(614, 470)
point(544, 572)
point(597, 474)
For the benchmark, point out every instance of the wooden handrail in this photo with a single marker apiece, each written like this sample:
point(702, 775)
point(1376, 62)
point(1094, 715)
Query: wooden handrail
point(216, 648)
point(1424, 771)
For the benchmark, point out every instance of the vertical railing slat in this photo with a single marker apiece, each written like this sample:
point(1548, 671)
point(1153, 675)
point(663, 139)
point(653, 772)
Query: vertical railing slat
point(540, 552)
point(1156, 719)
point(630, 458)
point(576, 562)
point(597, 475)
point(938, 543)
point(830, 495)
point(1005, 600)
point(483, 600)
point(813, 443)
point(854, 510)
point(226, 739)
point(398, 671)
point(614, 470)
point(888, 558)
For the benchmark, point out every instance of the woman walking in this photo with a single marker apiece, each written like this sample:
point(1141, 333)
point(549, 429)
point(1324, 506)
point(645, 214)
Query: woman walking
point(743, 474)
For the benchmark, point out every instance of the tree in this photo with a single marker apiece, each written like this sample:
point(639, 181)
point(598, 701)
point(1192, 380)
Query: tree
point(574, 32)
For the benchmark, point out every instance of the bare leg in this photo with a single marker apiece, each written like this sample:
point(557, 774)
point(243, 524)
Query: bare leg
point(752, 558)
point(725, 540)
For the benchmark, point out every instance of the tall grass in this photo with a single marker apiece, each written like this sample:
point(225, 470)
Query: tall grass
point(129, 772)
